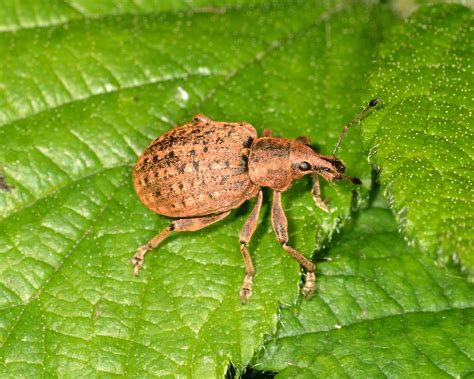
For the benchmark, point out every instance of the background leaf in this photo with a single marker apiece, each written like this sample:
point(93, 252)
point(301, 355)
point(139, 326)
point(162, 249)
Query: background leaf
point(383, 309)
point(83, 88)
point(405, 8)
point(422, 136)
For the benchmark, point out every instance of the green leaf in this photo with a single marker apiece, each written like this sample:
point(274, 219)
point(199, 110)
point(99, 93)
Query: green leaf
point(405, 8)
point(84, 87)
point(26, 14)
point(383, 309)
point(422, 135)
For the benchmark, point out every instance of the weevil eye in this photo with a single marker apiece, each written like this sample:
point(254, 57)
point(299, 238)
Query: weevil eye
point(304, 166)
point(324, 169)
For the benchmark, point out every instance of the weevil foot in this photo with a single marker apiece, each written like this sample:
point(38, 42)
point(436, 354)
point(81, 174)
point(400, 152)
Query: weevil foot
point(309, 285)
point(201, 118)
point(245, 294)
point(246, 290)
point(138, 258)
point(319, 201)
point(321, 204)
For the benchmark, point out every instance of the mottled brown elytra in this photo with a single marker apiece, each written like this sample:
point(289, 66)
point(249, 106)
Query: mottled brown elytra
point(200, 171)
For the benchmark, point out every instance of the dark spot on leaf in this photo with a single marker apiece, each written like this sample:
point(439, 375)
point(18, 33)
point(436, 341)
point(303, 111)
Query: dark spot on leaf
point(3, 184)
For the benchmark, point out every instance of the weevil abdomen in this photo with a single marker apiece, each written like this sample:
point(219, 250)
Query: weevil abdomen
point(196, 169)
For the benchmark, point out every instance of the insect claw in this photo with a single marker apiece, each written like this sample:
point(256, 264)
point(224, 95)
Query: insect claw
point(320, 203)
point(245, 294)
point(138, 258)
point(201, 118)
point(309, 286)
point(137, 264)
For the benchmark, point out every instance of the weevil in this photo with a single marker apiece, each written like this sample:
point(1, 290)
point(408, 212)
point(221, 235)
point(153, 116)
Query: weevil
point(198, 172)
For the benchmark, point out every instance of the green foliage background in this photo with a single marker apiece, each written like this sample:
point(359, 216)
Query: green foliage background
point(85, 85)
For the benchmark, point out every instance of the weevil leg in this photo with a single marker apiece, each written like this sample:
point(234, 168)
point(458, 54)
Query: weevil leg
point(247, 232)
point(267, 133)
point(304, 139)
point(316, 191)
point(180, 225)
point(201, 118)
point(280, 225)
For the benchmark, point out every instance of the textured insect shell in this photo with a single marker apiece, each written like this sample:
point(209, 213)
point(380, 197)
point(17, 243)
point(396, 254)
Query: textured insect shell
point(196, 169)
point(269, 163)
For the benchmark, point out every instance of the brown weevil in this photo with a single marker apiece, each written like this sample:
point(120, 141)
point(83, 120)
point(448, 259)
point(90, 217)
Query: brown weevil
point(198, 172)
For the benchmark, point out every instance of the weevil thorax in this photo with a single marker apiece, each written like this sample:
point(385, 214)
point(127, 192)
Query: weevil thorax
point(269, 163)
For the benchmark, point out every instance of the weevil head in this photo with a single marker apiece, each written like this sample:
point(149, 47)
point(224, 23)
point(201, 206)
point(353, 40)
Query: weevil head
point(276, 162)
point(304, 160)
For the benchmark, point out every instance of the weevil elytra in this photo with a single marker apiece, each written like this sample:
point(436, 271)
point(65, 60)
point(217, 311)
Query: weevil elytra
point(198, 172)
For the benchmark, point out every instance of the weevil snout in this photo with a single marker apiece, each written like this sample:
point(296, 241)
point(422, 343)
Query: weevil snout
point(305, 160)
point(336, 171)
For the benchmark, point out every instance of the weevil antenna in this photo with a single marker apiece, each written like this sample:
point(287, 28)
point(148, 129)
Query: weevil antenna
point(371, 104)
point(352, 179)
